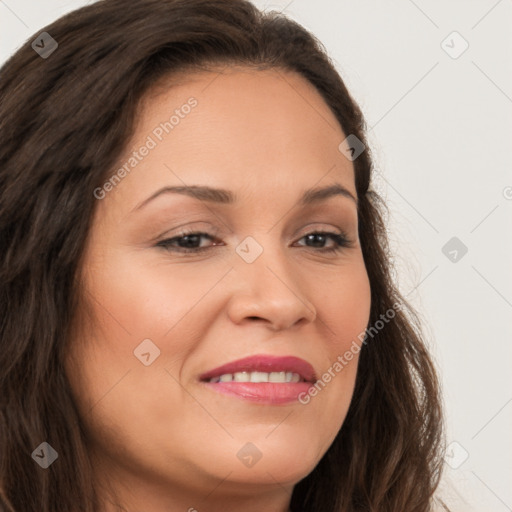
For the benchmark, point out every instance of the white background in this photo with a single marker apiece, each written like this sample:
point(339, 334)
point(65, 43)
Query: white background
point(440, 129)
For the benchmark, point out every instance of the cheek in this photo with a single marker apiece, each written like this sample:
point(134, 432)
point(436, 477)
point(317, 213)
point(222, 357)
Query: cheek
point(147, 300)
point(346, 311)
point(137, 299)
point(346, 308)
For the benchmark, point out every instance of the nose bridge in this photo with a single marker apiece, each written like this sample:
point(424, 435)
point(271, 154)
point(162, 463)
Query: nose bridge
point(269, 285)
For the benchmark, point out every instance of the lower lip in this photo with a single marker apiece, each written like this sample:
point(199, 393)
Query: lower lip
point(262, 392)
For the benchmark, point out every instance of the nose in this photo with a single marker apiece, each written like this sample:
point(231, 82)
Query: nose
point(268, 290)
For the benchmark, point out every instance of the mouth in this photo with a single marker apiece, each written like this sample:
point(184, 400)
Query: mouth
point(262, 378)
point(258, 377)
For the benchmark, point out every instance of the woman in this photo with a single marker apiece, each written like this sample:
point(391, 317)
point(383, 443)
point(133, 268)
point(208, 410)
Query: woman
point(197, 308)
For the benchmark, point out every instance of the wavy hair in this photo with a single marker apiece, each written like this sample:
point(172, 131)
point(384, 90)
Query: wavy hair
point(64, 122)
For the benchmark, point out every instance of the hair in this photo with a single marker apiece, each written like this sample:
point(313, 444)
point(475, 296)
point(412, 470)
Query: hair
point(64, 122)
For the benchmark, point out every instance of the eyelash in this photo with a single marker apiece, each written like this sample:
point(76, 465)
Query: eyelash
point(340, 239)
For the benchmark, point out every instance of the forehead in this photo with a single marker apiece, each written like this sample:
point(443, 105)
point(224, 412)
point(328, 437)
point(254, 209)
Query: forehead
point(251, 99)
point(248, 129)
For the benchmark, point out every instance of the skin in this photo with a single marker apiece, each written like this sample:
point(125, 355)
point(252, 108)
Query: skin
point(161, 440)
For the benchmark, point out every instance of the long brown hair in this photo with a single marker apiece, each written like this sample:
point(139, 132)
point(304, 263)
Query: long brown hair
point(64, 121)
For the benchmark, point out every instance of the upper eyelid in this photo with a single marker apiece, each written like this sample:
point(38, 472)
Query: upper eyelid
point(210, 228)
point(215, 237)
point(213, 233)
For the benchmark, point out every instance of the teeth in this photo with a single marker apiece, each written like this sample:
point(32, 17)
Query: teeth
point(259, 377)
point(293, 377)
point(275, 377)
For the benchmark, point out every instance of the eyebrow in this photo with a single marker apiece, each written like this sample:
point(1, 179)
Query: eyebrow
point(223, 196)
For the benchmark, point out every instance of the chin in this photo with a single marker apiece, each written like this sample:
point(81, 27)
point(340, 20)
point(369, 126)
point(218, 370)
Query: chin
point(272, 473)
point(268, 461)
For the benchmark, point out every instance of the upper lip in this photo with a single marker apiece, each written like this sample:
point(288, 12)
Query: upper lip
point(264, 363)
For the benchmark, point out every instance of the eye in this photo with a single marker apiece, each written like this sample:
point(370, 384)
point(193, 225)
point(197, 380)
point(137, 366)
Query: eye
point(187, 242)
point(190, 242)
point(317, 238)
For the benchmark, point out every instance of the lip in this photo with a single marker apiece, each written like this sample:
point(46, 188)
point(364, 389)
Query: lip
point(263, 392)
point(265, 363)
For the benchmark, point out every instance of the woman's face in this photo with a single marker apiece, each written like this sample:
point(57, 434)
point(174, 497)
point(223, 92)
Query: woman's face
point(257, 283)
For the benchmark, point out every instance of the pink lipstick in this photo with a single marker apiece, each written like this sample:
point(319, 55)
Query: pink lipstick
point(265, 379)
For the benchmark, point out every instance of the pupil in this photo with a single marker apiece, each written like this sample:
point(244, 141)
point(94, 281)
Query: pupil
point(189, 240)
point(319, 238)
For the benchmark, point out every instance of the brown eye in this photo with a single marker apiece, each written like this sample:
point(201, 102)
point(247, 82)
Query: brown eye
point(186, 242)
point(319, 238)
